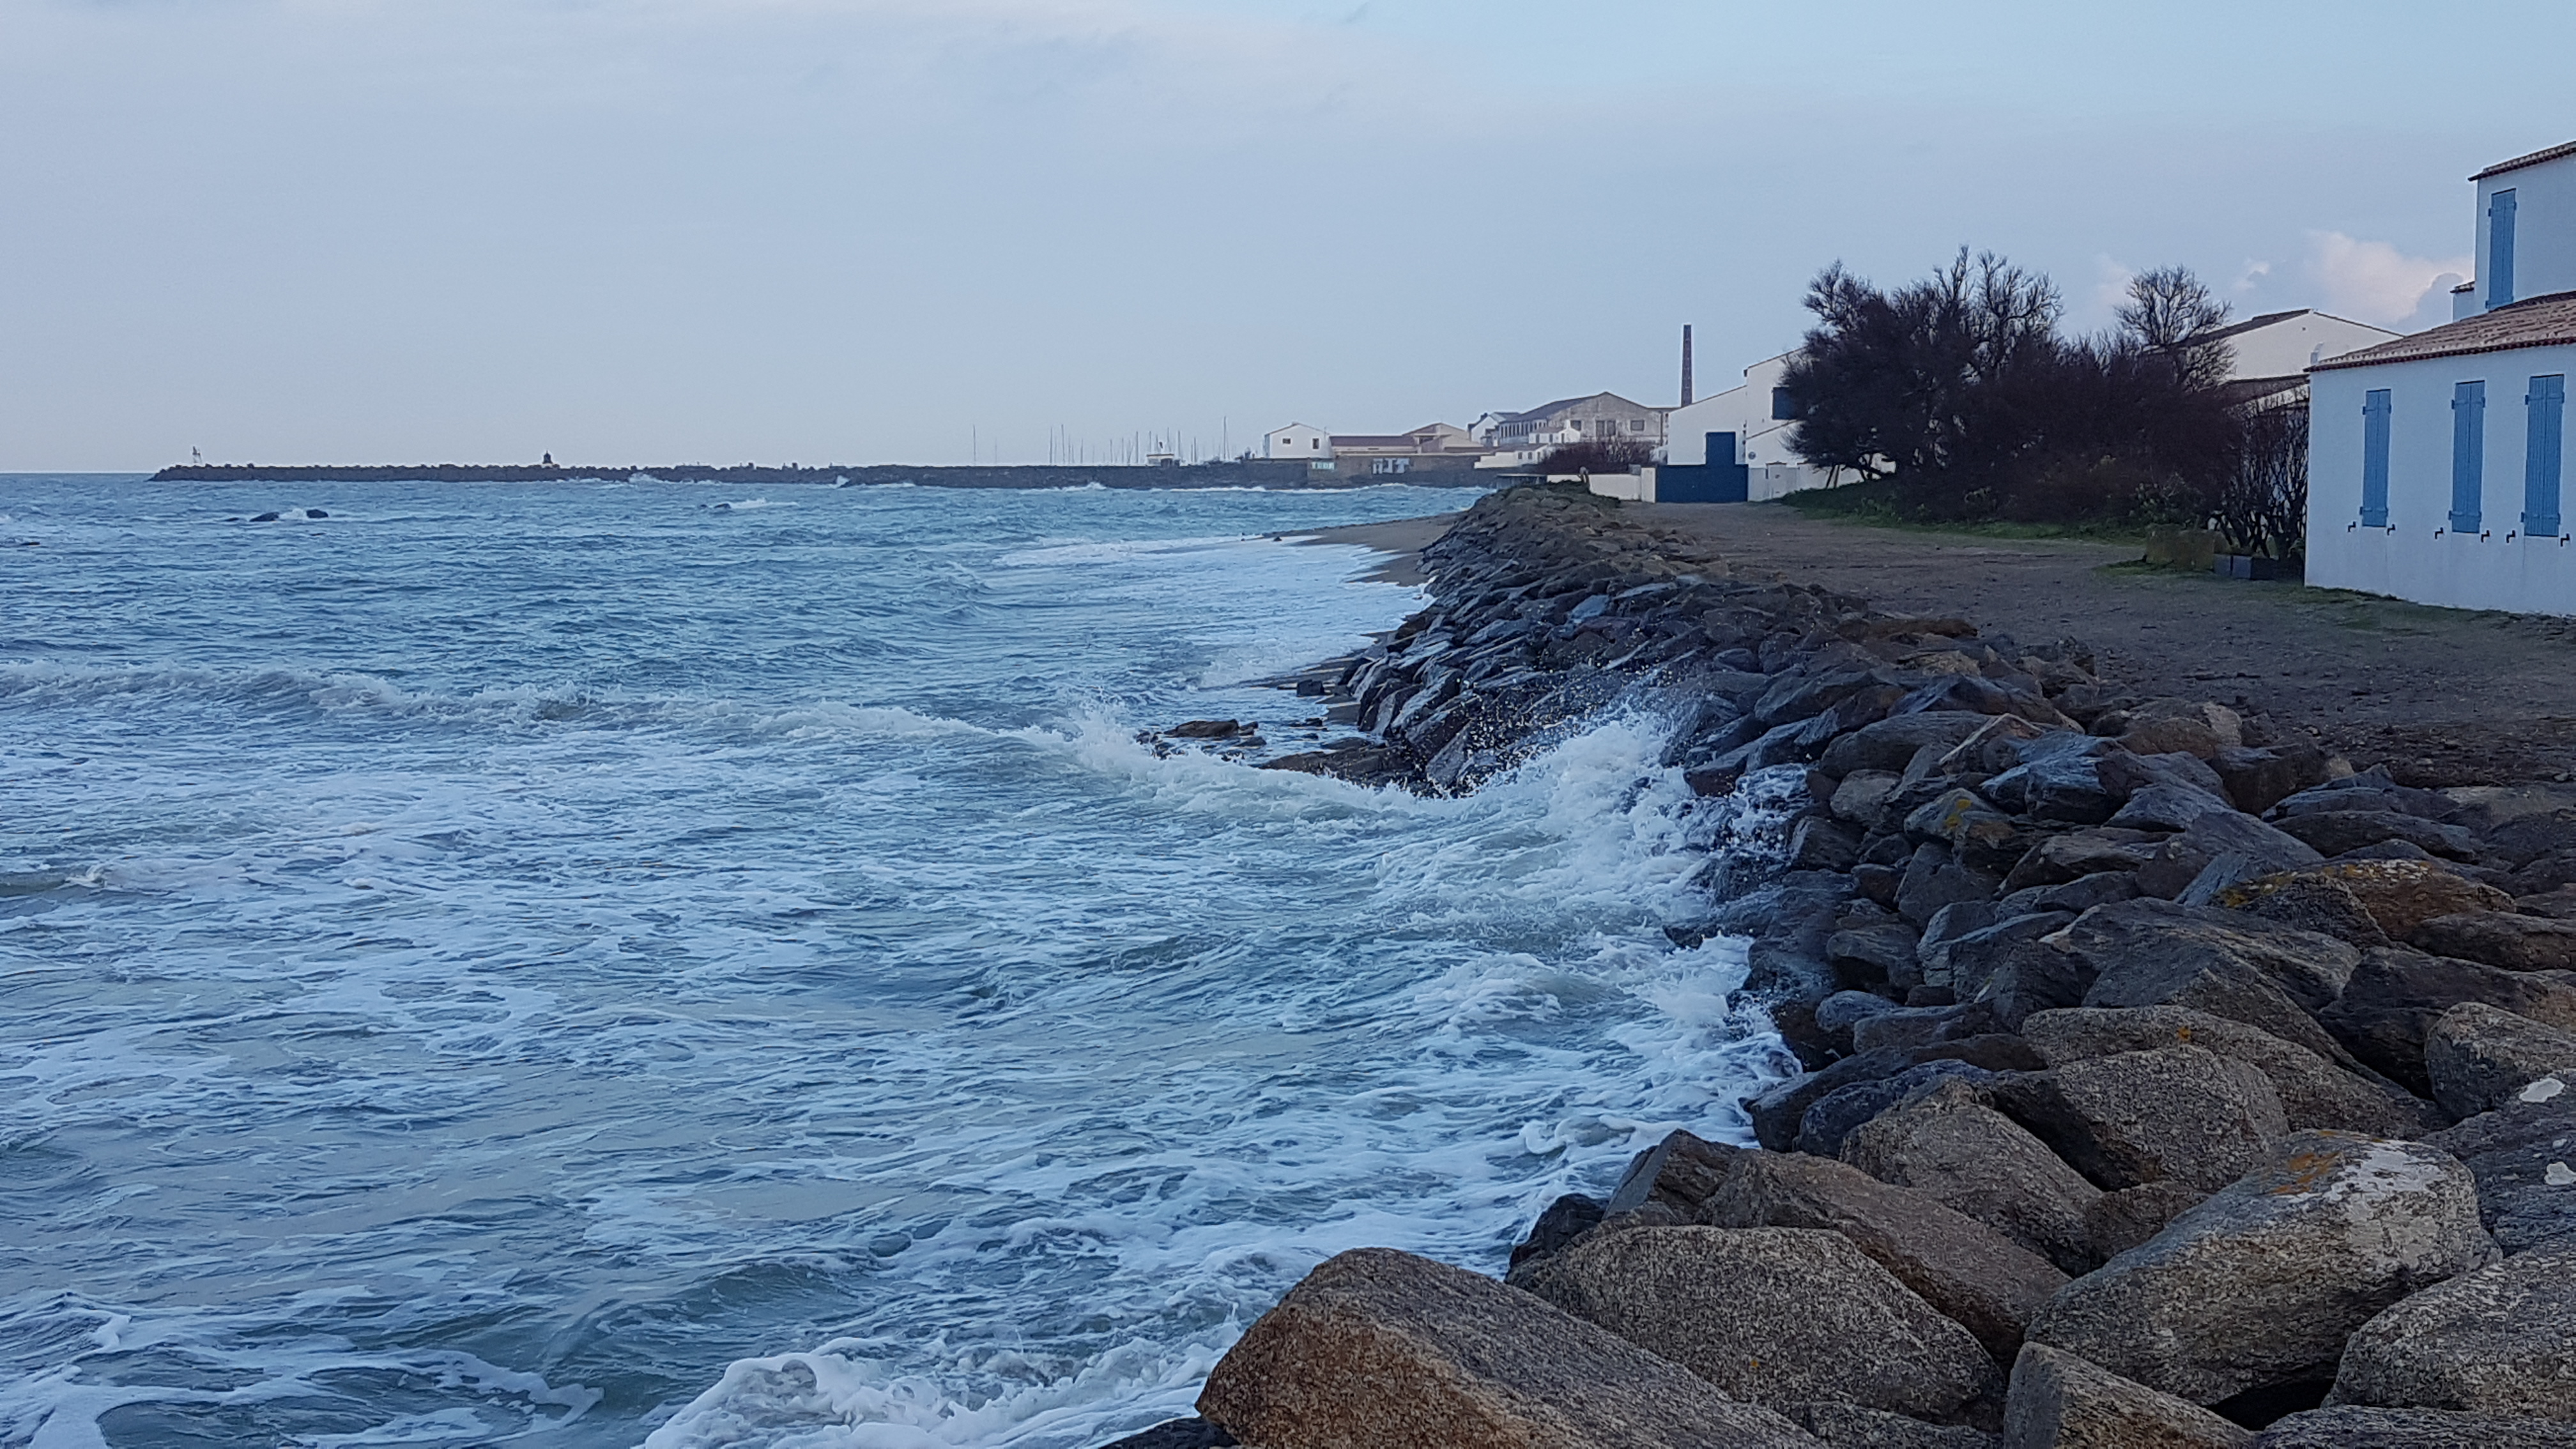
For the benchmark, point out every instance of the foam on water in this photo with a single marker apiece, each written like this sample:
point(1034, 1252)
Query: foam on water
point(539, 967)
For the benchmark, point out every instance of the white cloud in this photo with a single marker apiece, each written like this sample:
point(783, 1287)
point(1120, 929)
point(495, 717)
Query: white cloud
point(2111, 278)
point(2253, 275)
point(2373, 281)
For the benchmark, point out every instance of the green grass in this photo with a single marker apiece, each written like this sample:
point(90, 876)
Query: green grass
point(1874, 505)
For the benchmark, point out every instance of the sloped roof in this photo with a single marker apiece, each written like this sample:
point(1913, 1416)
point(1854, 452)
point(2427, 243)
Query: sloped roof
point(2534, 159)
point(1563, 403)
point(2545, 321)
point(2250, 323)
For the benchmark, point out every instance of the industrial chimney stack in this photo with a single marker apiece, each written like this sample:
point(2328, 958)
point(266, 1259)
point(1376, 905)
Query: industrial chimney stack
point(1686, 365)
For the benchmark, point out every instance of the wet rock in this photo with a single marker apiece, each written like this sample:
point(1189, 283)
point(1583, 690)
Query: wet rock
point(2357, 1428)
point(2395, 996)
point(2177, 1114)
point(2060, 1401)
point(1564, 1220)
point(1849, 1426)
point(2497, 938)
point(1883, 952)
point(1824, 1125)
point(2477, 1058)
point(1948, 924)
point(2152, 953)
point(1977, 1162)
point(1935, 878)
point(1892, 743)
point(1969, 962)
point(1976, 832)
point(2498, 1340)
point(1961, 1267)
point(1678, 1173)
point(2523, 1155)
point(1771, 1316)
point(1819, 842)
point(2313, 1091)
point(2258, 1287)
point(1908, 1027)
point(1779, 1112)
point(1382, 1347)
point(2332, 832)
point(1862, 795)
point(2246, 845)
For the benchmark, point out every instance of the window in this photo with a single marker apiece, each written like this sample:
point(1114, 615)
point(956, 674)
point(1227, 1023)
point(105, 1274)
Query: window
point(1636, 425)
point(1783, 407)
point(2543, 454)
point(2374, 459)
point(2500, 249)
point(2468, 454)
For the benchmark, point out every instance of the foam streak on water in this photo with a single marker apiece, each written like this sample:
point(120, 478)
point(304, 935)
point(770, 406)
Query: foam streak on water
point(579, 965)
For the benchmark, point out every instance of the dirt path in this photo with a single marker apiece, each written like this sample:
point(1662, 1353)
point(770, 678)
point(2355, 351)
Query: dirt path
point(2440, 696)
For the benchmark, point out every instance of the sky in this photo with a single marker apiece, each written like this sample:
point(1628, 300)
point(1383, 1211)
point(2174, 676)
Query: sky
point(936, 231)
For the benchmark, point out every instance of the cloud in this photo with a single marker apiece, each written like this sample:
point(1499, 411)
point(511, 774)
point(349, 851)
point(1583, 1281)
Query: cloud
point(2111, 278)
point(2253, 275)
point(2372, 280)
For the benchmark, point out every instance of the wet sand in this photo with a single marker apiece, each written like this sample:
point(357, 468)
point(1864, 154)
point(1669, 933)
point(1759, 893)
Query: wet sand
point(1402, 541)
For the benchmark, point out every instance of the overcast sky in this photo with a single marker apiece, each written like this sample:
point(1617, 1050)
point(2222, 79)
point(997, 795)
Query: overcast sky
point(865, 230)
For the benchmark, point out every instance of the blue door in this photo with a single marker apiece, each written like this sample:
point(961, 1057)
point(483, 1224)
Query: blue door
point(2500, 249)
point(2374, 458)
point(2468, 454)
point(2543, 456)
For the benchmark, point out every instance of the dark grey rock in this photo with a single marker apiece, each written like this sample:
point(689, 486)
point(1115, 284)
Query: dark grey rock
point(2478, 1057)
point(2078, 896)
point(1849, 1426)
point(2523, 1155)
point(2332, 832)
point(2060, 1401)
point(1875, 953)
point(2055, 859)
point(1833, 1116)
point(2357, 1428)
point(2119, 1221)
point(2258, 779)
point(2395, 996)
point(1564, 1220)
point(2177, 1114)
point(1968, 1271)
point(2183, 859)
point(2498, 938)
point(1381, 1347)
point(2312, 900)
point(1974, 1160)
point(2126, 772)
point(1678, 1172)
point(1771, 1316)
point(1968, 962)
point(2498, 1340)
point(1191, 1433)
point(2259, 1286)
point(2313, 1091)
point(1933, 879)
point(2153, 953)
point(1893, 742)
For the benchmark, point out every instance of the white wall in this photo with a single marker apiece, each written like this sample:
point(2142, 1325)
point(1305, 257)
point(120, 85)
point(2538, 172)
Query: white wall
point(2544, 231)
point(2407, 560)
point(1297, 441)
point(2285, 348)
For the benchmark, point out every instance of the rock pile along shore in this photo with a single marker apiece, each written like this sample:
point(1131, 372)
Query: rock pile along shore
point(2165, 1081)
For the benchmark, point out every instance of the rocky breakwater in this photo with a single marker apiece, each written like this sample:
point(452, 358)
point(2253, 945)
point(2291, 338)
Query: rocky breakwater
point(2164, 1081)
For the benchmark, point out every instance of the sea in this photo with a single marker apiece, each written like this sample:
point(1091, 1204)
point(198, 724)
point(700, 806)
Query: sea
point(629, 963)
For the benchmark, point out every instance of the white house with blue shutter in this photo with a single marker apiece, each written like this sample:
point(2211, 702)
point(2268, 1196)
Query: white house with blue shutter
point(2437, 463)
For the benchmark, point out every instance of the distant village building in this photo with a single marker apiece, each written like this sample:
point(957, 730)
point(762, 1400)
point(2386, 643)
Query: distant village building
point(1520, 439)
point(1748, 425)
point(1298, 441)
point(2270, 355)
point(1431, 446)
point(2437, 463)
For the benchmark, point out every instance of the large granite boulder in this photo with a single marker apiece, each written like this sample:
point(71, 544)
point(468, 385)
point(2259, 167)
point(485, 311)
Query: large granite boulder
point(2334, 832)
point(2176, 1114)
point(1849, 1426)
point(2500, 938)
point(2398, 895)
point(2247, 847)
point(2396, 995)
point(2356, 1428)
point(1379, 1347)
point(1780, 1112)
point(2258, 1287)
point(1772, 1316)
point(2314, 1092)
point(1976, 1161)
point(2500, 1340)
point(1892, 743)
point(2523, 1155)
point(2060, 1401)
point(1974, 1274)
point(1834, 1116)
point(2477, 1058)
point(2270, 977)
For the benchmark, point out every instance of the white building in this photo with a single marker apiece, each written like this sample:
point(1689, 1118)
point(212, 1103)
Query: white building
point(2269, 356)
point(1758, 417)
point(2437, 462)
point(1298, 441)
point(1521, 439)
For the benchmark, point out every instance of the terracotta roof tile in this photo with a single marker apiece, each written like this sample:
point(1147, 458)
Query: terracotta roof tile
point(2548, 321)
point(2534, 159)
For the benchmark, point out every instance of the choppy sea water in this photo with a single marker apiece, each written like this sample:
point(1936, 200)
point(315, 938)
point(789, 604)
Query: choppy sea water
point(581, 965)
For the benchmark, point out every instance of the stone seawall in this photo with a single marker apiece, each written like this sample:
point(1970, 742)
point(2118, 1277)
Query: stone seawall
point(2166, 1081)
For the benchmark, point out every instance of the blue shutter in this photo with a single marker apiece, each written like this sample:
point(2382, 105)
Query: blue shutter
point(2541, 460)
point(2468, 454)
point(2374, 459)
point(2500, 249)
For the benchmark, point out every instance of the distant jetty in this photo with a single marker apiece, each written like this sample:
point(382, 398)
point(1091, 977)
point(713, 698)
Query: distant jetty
point(1246, 473)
